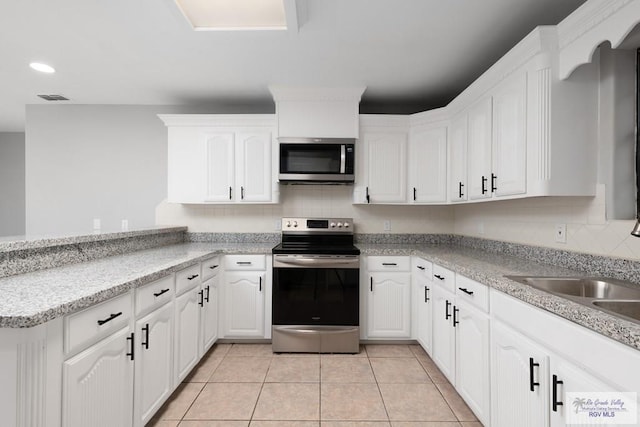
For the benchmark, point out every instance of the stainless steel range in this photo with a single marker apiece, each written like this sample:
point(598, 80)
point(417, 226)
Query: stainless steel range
point(316, 275)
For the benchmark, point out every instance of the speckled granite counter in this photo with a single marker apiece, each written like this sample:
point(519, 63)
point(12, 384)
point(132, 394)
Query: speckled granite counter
point(490, 269)
point(33, 298)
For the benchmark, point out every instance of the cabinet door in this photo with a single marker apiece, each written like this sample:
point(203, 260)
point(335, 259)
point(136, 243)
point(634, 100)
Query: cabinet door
point(423, 295)
point(443, 335)
point(472, 359)
point(220, 155)
point(509, 136)
point(244, 304)
point(389, 305)
point(518, 380)
point(254, 177)
point(386, 167)
point(186, 166)
point(187, 333)
point(153, 362)
point(479, 149)
point(98, 384)
point(428, 166)
point(458, 186)
point(570, 378)
point(209, 314)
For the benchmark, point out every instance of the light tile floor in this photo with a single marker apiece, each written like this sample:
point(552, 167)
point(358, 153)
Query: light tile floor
point(247, 385)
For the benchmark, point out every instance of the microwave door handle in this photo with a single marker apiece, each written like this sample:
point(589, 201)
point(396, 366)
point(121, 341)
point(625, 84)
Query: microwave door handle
point(343, 158)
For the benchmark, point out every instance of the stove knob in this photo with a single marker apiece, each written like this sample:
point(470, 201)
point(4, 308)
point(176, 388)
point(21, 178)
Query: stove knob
point(346, 225)
point(339, 225)
point(295, 223)
point(288, 223)
point(333, 225)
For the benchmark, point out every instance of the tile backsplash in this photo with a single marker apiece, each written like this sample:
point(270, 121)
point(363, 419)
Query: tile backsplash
point(527, 221)
point(307, 201)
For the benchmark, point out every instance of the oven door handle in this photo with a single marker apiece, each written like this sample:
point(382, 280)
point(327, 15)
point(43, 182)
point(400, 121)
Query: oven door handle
point(310, 262)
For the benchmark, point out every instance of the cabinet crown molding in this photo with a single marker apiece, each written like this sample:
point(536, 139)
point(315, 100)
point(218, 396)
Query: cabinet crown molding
point(310, 94)
point(222, 120)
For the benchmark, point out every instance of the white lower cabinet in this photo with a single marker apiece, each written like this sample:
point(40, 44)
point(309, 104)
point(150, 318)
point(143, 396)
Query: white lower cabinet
point(244, 295)
point(388, 300)
point(153, 363)
point(519, 368)
point(461, 341)
point(98, 383)
point(187, 333)
point(209, 314)
point(423, 299)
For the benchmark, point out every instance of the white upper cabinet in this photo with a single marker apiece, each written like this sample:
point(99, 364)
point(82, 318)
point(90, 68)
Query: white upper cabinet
point(222, 159)
point(458, 185)
point(479, 149)
point(509, 137)
point(428, 165)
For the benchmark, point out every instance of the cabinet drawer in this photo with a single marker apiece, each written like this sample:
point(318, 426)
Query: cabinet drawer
point(245, 262)
point(388, 263)
point(423, 268)
point(210, 268)
point(187, 278)
point(89, 325)
point(472, 292)
point(444, 277)
point(154, 294)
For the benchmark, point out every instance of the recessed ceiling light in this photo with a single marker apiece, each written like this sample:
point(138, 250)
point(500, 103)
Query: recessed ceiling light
point(234, 14)
point(43, 68)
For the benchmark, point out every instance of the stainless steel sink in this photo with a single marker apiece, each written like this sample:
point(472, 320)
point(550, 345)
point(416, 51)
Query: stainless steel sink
point(610, 295)
point(630, 309)
point(586, 287)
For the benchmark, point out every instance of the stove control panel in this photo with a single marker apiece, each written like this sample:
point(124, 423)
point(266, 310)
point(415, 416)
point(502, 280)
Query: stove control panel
point(318, 225)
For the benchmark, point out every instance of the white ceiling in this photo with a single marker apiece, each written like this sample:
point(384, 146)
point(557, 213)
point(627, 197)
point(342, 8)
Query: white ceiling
point(411, 55)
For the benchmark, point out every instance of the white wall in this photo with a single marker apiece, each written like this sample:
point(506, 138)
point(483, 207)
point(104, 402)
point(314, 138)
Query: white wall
point(12, 191)
point(101, 161)
point(308, 201)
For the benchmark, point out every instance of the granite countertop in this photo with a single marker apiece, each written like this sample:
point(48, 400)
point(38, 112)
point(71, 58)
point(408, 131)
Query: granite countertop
point(490, 269)
point(33, 298)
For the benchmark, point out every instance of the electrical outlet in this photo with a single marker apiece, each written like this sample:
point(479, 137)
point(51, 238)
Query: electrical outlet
point(277, 224)
point(96, 224)
point(561, 233)
point(124, 225)
point(387, 225)
point(480, 227)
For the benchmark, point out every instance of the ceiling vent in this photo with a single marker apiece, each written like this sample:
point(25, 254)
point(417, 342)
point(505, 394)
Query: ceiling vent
point(53, 97)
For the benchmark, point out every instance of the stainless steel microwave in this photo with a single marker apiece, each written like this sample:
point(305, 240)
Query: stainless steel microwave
point(317, 160)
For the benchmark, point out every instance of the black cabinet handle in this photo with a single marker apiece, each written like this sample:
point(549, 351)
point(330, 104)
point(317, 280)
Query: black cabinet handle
point(145, 342)
point(554, 398)
point(201, 295)
point(213, 267)
point(243, 262)
point(192, 277)
point(438, 277)
point(493, 183)
point(484, 184)
point(389, 264)
point(426, 294)
point(206, 298)
point(164, 291)
point(532, 383)
point(371, 284)
point(368, 198)
point(455, 317)
point(447, 315)
point(241, 193)
point(420, 267)
point(229, 193)
point(260, 286)
point(466, 291)
point(414, 194)
point(460, 193)
point(110, 318)
point(131, 353)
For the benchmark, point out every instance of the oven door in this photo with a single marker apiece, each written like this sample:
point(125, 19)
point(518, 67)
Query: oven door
point(316, 290)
